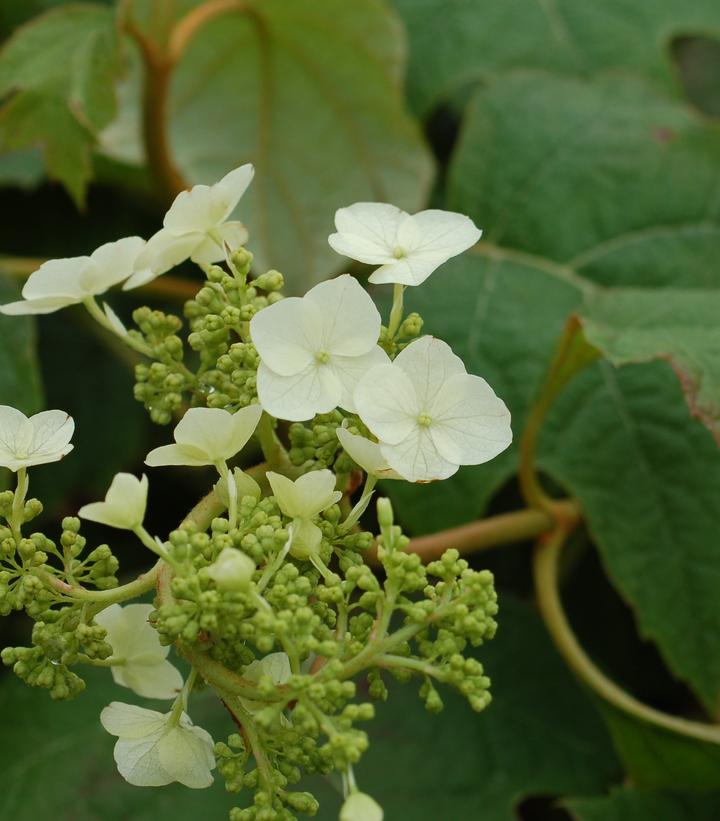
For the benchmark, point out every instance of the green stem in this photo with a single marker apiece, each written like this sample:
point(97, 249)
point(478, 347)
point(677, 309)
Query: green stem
point(545, 566)
point(131, 590)
point(396, 312)
point(252, 735)
point(361, 505)
point(99, 316)
point(275, 454)
point(388, 660)
point(152, 544)
point(18, 506)
point(505, 528)
point(572, 354)
point(231, 486)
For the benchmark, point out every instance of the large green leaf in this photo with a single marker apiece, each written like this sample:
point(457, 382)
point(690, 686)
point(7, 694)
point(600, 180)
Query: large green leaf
point(59, 70)
point(631, 805)
point(466, 41)
point(680, 327)
point(19, 373)
point(610, 179)
point(540, 735)
point(658, 759)
point(622, 442)
point(311, 93)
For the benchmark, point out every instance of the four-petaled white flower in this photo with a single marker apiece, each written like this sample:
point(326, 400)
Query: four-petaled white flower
point(144, 667)
point(207, 436)
point(44, 437)
point(407, 247)
point(62, 282)
point(124, 505)
point(367, 454)
point(154, 749)
point(314, 349)
point(359, 806)
point(232, 570)
point(430, 415)
point(196, 227)
point(275, 665)
point(303, 500)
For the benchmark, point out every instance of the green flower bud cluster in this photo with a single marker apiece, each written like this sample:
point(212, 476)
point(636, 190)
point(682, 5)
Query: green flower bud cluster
point(333, 625)
point(62, 635)
point(315, 444)
point(160, 386)
point(63, 640)
point(219, 317)
point(410, 328)
point(231, 384)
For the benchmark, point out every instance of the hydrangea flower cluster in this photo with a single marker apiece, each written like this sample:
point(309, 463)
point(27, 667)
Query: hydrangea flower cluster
point(264, 589)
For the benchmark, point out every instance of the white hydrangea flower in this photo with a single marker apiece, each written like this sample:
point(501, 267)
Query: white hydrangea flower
point(155, 749)
point(62, 282)
point(407, 247)
point(44, 437)
point(359, 806)
point(232, 570)
point(302, 500)
point(367, 454)
point(124, 505)
point(314, 349)
point(196, 227)
point(430, 415)
point(276, 666)
point(207, 436)
point(145, 669)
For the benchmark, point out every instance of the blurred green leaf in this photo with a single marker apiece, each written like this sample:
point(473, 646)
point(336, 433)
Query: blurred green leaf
point(20, 384)
point(467, 41)
point(58, 70)
point(540, 735)
point(680, 327)
point(698, 60)
point(87, 379)
point(312, 95)
point(632, 805)
point(657, 759)
point(610, 179)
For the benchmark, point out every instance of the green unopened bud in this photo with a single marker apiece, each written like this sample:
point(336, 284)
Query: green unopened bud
point(232, 570)
point(241, 260)
point(385, 513)
point(270, 281)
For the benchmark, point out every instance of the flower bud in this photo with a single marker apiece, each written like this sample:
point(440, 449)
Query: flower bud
point(232, 570)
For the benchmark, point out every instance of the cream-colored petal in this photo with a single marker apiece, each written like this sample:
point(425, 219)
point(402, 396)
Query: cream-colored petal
point(286, 335)
point(231, 188)
point(175, 455)
point(367, 454)
point(300, 396)
point(367, 231)
point(417, 459)
point(349, 319)
point(429, 363)
point(349, 370)
point(386, 401)
point(471, 425)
